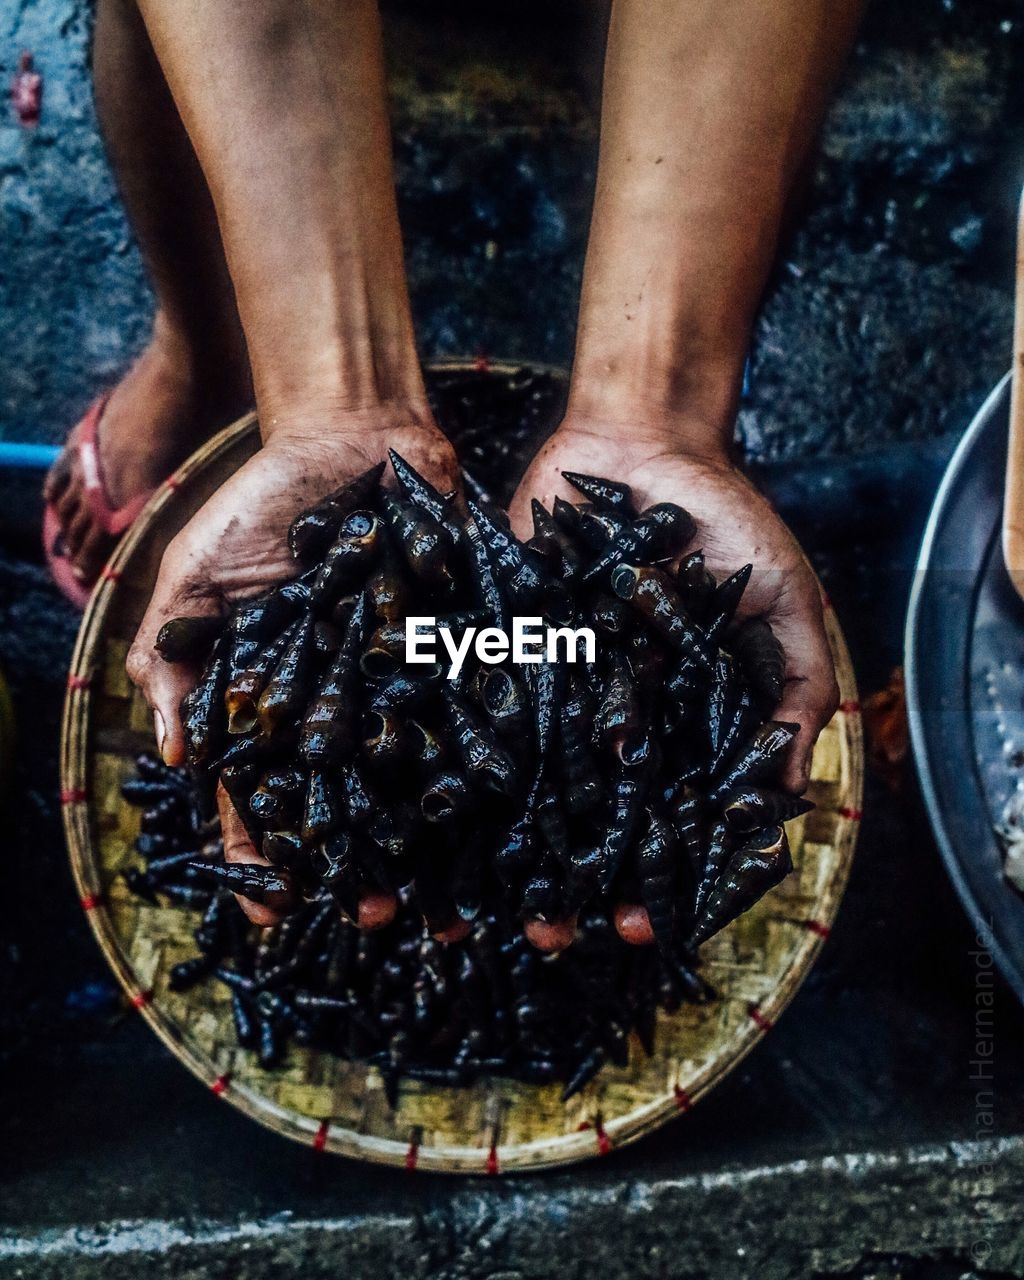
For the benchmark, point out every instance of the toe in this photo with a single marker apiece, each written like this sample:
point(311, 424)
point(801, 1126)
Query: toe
point(75, 535)
point(57, 478)
point(68, 504)
point(551, 936)
point(633, 924)
point(92, 553)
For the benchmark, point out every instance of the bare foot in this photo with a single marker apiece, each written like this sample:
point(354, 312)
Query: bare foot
point(157, 415)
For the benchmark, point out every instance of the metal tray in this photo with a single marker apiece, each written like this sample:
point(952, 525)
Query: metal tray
point(965, 682)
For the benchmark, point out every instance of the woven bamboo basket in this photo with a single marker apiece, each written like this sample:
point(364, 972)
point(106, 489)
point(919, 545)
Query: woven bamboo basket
point(755, 966)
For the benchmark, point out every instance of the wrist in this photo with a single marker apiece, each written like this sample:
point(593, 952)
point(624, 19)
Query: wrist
point(642, 436)
point(317, 420)
point(667, 356)
point(365, 378)
point(641, 398)
point(332, 333)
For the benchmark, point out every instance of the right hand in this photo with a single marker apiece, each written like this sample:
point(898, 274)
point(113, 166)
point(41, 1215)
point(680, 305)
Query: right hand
point(236, 545)
point(735, 526)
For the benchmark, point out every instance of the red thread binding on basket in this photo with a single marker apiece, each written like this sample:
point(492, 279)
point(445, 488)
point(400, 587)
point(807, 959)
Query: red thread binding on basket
point(110, 575)
point(412, 1156)
point(818, 927)
point(854, 815)
point(850, 708)
point(683, 1100)
point(604, 1143)
point(79, 682)
point(173, 482)
point(139, 999)
point(492, 1161)
point(482, 364)
point(90, 901)
point(221, 1083)
point(758, 1018)
point(73, 795)
point(320, 1137)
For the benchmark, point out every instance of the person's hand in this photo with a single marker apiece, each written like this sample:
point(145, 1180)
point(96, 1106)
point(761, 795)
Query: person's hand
point(236, 545)
point(735, 526)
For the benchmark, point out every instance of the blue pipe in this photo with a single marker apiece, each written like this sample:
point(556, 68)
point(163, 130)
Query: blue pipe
point(27, 457)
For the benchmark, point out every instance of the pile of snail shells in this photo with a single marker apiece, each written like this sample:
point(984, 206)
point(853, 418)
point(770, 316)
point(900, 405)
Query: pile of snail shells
point(397, 998)
point(648, 775)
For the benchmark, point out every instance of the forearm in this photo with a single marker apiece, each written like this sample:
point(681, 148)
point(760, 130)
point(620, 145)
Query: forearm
point(305, 197)
point(709, 109)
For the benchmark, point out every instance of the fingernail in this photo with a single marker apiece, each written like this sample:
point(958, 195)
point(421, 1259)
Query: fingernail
point(161, 731)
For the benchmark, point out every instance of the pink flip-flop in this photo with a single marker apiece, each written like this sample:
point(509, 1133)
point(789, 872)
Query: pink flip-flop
point(112, 520)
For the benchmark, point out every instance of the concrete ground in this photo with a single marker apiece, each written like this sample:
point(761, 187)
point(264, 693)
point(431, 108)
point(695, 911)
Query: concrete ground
point(853, 1142)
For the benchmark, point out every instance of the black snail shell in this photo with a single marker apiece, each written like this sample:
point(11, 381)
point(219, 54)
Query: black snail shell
point(396, 998)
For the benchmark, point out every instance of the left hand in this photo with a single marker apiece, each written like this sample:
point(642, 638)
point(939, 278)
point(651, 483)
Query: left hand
point(735, 526)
